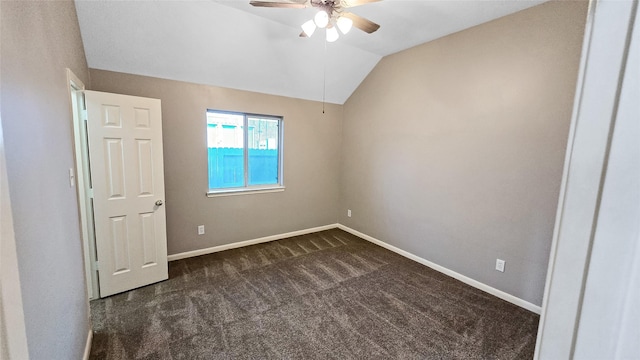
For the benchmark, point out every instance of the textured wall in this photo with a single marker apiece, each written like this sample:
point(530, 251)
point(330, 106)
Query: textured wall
point(39, 40)
point(312, 142)
point(453, 150)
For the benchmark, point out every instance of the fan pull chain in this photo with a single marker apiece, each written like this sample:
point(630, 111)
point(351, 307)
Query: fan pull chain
point(324, 75)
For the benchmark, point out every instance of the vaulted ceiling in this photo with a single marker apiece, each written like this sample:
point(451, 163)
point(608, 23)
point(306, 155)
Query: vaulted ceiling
point(232, 44)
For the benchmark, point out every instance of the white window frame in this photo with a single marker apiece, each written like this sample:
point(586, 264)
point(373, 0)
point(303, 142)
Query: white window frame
point(247, 189)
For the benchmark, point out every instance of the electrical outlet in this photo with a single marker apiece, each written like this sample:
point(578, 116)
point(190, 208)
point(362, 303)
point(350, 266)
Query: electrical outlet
point(200, 229)
point(349, 213)
point(500, 265)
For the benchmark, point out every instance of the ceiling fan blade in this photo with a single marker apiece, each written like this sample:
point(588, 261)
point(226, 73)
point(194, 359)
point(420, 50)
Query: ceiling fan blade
point(352, 3)
point(289, 5)
point(361, 23)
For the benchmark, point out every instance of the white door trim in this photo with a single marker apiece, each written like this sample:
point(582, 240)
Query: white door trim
point(602, 67)
point(82, 176)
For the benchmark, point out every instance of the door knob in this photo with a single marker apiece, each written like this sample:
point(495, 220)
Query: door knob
point(159, 203)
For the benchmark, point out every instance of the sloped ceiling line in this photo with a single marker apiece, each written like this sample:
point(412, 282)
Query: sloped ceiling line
point(230, 43)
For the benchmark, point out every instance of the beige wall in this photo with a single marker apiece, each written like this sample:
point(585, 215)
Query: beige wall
point(312, 142)
point(39, 40)
point(453, 150)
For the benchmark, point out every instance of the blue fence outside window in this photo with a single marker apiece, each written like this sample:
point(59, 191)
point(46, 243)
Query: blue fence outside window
point(226, 167)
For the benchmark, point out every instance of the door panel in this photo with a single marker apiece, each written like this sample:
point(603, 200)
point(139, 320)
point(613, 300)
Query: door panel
point(145, 178)
point(142, 117)
point(119, 239)
point(115, 167)
point(111, 116)
point(125, 151)
point(148, 227)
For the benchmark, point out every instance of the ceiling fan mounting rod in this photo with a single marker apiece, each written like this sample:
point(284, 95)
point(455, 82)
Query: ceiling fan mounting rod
point(329, 6)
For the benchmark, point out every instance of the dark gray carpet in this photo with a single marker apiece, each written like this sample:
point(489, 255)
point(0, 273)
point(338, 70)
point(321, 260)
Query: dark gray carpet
point(328, 295)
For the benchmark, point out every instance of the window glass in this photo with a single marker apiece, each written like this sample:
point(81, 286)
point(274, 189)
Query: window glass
point(263, 151)
point(232, 165)
point(225, 142)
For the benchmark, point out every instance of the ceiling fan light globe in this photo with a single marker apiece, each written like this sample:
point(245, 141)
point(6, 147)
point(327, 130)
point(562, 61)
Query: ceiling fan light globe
point(332, 34)
point(344, 24)
point(321, 19)
point(309, 27)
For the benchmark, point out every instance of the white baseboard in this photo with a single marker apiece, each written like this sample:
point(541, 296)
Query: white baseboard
point(235, 245)
point(87, 347)
point(467, 280)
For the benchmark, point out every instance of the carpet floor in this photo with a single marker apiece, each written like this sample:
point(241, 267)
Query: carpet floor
point(327, 295)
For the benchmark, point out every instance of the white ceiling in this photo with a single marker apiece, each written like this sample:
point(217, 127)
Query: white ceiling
point(232, 44)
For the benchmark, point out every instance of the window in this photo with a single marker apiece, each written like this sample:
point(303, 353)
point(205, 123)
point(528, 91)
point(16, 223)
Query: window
point(244, 152)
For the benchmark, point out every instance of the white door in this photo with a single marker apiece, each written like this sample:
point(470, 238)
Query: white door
point(125, 152)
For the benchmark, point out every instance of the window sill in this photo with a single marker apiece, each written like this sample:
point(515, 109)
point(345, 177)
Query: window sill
point(245, 191)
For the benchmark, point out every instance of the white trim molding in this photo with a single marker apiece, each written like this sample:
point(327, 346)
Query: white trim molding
point(87, 347)
point(467, 280)
point(589, 308)
point(236, 245)
point(245, 191)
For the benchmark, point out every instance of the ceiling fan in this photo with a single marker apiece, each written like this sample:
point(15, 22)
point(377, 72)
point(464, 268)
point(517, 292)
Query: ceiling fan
point(331, 14)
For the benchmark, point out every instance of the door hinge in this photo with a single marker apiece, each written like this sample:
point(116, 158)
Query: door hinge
point(96, 266)
point(84, 104)
point(90, 193)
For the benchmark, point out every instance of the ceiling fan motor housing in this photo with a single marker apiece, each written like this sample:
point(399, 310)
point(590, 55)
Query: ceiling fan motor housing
point(332, 8)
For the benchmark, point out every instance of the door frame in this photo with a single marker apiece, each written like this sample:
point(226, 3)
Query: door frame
point(83, 183)
point(580, 254)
